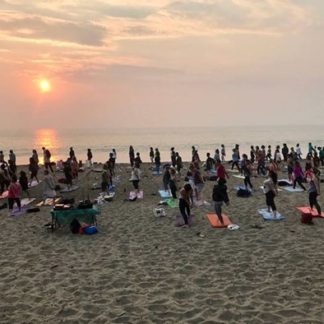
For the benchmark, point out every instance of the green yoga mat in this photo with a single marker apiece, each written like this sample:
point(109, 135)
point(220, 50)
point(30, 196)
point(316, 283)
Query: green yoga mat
point(173, 203)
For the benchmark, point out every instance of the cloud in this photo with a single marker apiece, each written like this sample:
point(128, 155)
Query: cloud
point(44, 28)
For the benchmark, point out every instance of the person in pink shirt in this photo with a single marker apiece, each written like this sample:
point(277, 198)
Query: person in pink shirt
point(220, 171)
point(14, 194)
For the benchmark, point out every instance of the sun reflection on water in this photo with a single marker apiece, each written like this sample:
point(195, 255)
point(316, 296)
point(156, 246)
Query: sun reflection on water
point(48, 138)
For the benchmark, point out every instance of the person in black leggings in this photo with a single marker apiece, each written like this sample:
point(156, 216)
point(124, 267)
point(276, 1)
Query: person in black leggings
point(185, 202)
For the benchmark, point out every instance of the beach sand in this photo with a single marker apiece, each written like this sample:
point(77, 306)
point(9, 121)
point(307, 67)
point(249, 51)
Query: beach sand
point(144, 269)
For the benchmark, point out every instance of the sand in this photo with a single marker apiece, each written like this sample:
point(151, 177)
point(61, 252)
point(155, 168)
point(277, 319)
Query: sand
point(144, 269)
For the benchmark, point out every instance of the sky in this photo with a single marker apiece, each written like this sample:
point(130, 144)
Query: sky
point(120, 64)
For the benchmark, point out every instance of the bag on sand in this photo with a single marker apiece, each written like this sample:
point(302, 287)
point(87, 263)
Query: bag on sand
point(307, 219)
point(75, 226)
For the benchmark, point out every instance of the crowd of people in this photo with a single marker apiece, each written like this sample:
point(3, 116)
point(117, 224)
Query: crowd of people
point(262, 160)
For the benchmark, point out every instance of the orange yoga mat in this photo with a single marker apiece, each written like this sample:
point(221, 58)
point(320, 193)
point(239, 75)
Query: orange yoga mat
point(307, 210)
point(214, 221)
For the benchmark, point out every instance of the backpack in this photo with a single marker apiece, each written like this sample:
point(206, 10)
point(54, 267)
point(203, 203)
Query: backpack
point(243, 193)
point(75, 226)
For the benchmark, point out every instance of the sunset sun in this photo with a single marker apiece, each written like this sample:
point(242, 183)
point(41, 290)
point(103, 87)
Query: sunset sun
point(44, 86)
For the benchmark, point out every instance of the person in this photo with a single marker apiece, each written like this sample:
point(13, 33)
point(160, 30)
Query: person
point(151, 154)
point(220, 197)
point(35, 156)
point(277, 155)
point(198, 181)
point(111, 164)
point(269, 153)
point(131, 155)
point(290, 167)
point(185, 203)
point(321, 155)
point(313, 178)
point(4, 178)
point(137, 161)
point(74, 167)
point(195, 156)
point(157, 160)
point(135, 178)
point(71, 153)
point(179, 163)
point(173, 157)
point(14, 194)
point(308, 162)
point(12, 163)
point(47, 159)
point(298, 175)
point(223, 152)
point(1, 157)
point(104, 181)
point(273, 169)
point(172, 182)
point(261, 161)
point(89, 157)
point(114, 156)
point(67, 170)
point(166, 178)
point(33, 169)
point(220, 171)
point(49, 186)
point(23, 181)
point(270, 191)
point(298, 152)
point(217, 155)
point(209, 164)
point(246, 167)
point(236, 159)
point(252, 154)
point(285, 151)
point(311, 149)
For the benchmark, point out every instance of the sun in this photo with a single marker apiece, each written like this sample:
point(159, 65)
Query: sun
point(44, 85)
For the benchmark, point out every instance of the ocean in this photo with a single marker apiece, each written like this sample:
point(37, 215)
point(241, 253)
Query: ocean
point(205, 139)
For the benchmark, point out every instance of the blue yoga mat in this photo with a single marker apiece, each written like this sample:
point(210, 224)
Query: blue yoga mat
point(291, 189)
point(165, 194)
point(269, 216)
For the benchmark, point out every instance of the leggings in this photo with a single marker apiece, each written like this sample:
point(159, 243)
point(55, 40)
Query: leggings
point(173, 189)
point(299, 181)
point(184, 210)
point(218, 210)
point(49, 165)
point(313, 201)
point(236, 163)
point(247, 181)
point(270, 200)
point(11, 202)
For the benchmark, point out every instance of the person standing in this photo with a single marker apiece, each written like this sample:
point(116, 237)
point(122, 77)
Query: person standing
point(131, 154)
point(298, 176)
point(314, 190)
point(172, 182)
point(298, 152)
point(23, 181)
point(135, 178)
point(33, 169)
point(270, 191)
point(223, 152)
point(47, 159)
point(246, 168)
point(14, 194)
point(152, 155)
point(157, 160)
point(185, 202)
point(173, 157)
point(71, 153)
point(89, 157)
point(137, 161)
point(12, 163)
point(220, 197)
point(179, 163)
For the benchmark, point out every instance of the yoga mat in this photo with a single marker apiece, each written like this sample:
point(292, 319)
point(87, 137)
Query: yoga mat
point(232, 171)
point(286, 181)
point(238, 176)
point(291, 189)
point(34, 183)
point(27, 201)
point(165, 194)
point(73, 188)
point(308, 210)
point(155, 173)
point(172, 203)
point(97, 170)
point(269, 216)
point(262, 188)
point(214, 221)
point(179, 220)
point(16, 212)
point(200, 203)
point(242, 188)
